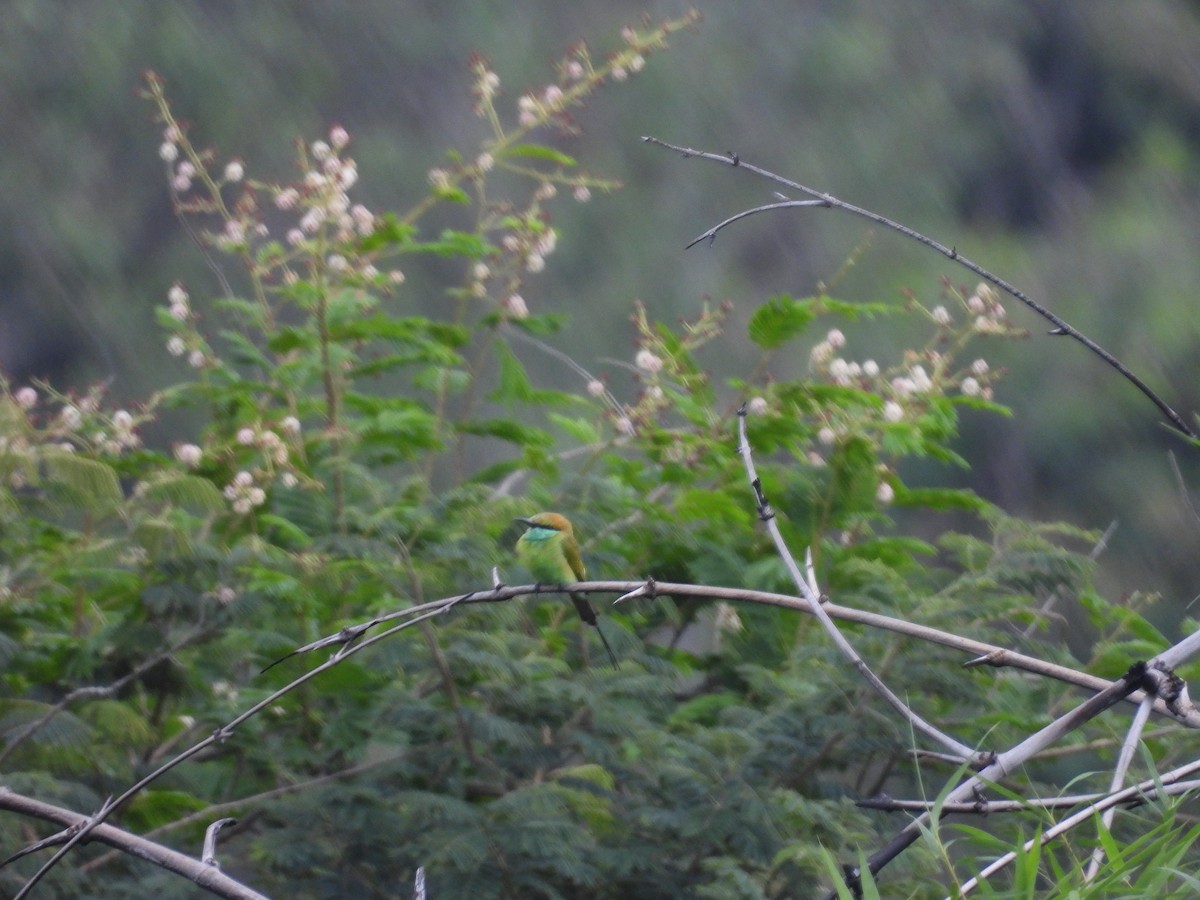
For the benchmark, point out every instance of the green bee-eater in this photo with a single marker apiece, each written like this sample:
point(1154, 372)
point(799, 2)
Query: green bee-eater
point(549, 551)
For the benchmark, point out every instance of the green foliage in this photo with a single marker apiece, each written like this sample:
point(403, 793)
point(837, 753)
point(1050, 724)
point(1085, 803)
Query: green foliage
point(355, 458)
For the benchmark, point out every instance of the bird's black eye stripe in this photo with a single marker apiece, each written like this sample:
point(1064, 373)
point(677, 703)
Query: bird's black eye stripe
point(529, 523)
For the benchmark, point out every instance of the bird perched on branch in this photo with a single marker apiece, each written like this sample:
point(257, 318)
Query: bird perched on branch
point(549, 550)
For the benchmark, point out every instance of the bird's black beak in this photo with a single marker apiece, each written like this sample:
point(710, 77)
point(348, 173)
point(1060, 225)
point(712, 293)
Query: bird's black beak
point(528, 523)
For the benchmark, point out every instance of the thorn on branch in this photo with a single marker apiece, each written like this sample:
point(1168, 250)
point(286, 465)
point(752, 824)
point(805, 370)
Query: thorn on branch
point(1057, 331)
point(733, 157)
point(222, 734)
point(981, 803)
point(209, 855)
point(648, 590)
point(53, 840)
point(764, 508)
point(995, 658)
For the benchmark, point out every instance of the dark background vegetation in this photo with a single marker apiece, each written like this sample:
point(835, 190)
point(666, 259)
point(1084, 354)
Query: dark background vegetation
point(1053, 142)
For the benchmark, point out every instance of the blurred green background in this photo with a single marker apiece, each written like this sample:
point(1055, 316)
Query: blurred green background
point(1055, 143)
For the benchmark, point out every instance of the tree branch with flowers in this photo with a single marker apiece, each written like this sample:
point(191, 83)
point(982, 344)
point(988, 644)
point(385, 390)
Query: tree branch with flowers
point(215, 627)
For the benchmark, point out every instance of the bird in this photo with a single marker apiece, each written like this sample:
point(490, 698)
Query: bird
point(549, 551)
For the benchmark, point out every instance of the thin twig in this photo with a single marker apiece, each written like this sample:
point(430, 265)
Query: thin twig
point(1133, 737)
point(990, 654)
point(1084, 815)
point(1156, 676)
point(987, 807)
point(1061, 326)
point(807, 585)
point(210, 878)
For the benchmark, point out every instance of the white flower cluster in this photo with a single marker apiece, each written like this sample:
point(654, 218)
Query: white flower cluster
point(243, 493)
point(984, 304)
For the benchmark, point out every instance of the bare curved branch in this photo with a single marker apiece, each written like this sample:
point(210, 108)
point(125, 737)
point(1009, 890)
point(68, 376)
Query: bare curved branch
point(1061, 326)
point(209, 877)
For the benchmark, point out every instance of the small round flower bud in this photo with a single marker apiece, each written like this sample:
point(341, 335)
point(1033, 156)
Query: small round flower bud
point(234, 170)
point(821, 353)
point(595, 387)
point(757, 406)
point(287, 198)
point(514, 306)
point(648, 362)
point(26, 397)
point(189, 455)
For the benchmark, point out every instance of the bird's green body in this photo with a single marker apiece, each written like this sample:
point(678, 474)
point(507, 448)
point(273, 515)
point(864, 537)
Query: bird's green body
point(549, 551)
